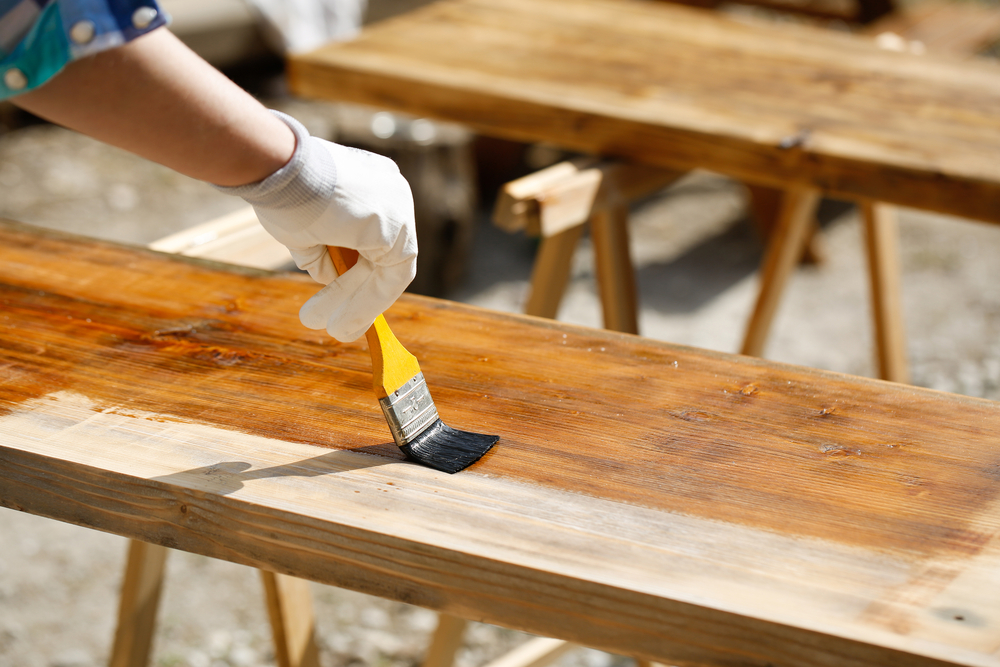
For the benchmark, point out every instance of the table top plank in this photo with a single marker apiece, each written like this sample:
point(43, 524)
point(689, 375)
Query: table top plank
point(644, 498)
point(682, 88)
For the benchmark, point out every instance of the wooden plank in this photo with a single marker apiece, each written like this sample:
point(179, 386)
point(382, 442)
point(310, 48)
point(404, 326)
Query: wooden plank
point(234, 238)
point(517, 205)
point(568, 193)
point(681, 88)
point(647, 499)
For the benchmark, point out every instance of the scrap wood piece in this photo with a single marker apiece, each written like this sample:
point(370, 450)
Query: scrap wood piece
point(650, 499)
point(567, 194)
point(234, 238)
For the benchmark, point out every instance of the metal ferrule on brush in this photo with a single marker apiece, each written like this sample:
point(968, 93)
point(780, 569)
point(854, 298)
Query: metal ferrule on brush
point(409, 410)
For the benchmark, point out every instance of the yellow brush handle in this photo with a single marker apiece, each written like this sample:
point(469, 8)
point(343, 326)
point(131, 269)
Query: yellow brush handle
point(392, 365)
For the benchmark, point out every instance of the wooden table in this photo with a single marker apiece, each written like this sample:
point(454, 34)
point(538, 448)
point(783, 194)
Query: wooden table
point(806, 110)
point(645, 498)
point(681, 88)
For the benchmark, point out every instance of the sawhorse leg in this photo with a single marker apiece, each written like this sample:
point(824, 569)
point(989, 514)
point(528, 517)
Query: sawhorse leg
point(615, 273)
point(446, 641)
point(765, 207)
point(784, 250)
point(289, 606)
point(139, 603)
point(882, 243)
point(288, 603)
point(550, 275)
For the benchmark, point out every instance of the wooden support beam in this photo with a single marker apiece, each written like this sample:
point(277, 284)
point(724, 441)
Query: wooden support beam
point(784, 249)
point(765, 208)
point(551, 272)
point(615, 275)
point(445, 642)
point(289, 607)
point(138, 604)
point(881, 230)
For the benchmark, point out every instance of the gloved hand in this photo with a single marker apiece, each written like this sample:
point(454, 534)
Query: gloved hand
point(330, 194)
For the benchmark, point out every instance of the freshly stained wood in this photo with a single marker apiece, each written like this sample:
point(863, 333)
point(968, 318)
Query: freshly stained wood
point(648, 499)
point(680, 88)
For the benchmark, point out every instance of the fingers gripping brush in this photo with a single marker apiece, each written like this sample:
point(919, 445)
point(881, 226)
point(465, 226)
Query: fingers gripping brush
point(406, 401)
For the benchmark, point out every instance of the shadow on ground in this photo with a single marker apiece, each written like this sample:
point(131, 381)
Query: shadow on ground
point(692, 280)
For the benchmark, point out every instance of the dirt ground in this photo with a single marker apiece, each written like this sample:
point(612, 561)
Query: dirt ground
point(697, 257)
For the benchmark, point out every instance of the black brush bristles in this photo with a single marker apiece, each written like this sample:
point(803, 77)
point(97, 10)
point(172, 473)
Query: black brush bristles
point(418, 431)
point(443, 448)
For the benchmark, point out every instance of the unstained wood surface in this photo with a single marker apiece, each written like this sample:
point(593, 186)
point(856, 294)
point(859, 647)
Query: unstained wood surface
point(680, 87)
point(646, 498)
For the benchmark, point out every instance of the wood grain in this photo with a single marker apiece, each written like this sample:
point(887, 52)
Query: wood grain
point(648, 499)
point(680, 88)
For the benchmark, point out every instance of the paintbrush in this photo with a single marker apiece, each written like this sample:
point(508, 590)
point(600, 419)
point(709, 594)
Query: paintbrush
point(406, 401)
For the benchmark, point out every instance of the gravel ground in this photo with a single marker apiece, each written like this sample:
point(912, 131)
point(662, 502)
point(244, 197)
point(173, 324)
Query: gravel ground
point(696, 256)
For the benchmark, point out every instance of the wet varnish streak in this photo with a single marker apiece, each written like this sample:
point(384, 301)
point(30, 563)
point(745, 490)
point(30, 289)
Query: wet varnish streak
point(681, 445)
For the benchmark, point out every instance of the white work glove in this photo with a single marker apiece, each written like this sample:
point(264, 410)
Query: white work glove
point(330, 194)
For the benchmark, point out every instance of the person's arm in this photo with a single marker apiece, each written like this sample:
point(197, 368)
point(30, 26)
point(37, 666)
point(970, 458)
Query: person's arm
point(156, 98)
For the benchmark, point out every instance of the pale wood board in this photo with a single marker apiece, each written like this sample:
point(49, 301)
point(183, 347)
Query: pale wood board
point(680, 88)
point(235, 238)
point(568, 193)
point(647, 499)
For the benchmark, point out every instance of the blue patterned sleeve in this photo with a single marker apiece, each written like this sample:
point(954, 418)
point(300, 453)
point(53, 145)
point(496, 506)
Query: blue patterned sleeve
point(39, 37)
